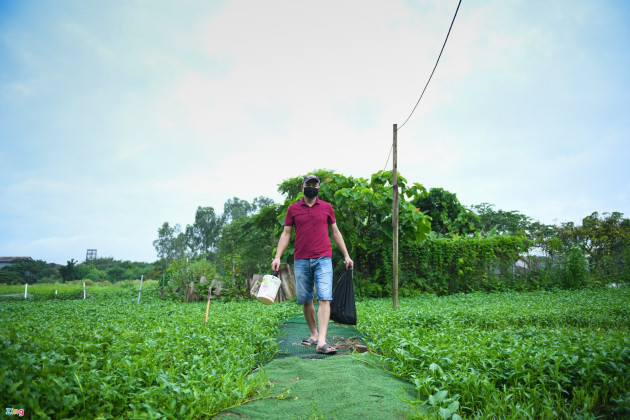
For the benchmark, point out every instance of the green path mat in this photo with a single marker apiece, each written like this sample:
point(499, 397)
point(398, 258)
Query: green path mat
point(313, 386)
point(294, 330)
point(338, 387)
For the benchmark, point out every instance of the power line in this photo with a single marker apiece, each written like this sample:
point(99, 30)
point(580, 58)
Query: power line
point(388, 156)
point(425, 87)
point(436, 63)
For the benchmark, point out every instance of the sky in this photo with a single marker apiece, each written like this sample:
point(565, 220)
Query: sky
point(117, 116)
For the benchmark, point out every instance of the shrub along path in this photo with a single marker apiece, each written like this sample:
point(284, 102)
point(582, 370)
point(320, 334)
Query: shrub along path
point(304, 384)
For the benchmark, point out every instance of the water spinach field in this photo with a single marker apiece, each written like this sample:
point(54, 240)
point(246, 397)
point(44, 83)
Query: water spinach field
point(562, 354)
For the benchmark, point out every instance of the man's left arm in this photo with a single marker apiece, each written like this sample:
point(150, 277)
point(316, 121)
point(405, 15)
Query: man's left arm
point(336, 234)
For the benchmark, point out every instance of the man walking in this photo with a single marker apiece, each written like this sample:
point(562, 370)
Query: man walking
point(312, 218)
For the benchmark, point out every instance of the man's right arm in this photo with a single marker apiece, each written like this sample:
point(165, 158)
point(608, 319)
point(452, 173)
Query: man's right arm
point(285, 237)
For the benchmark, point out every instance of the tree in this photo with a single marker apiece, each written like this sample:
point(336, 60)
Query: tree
point(203, 235)
point(69, 271)
point(606, 241)
point(115, 273)
point(30, 271)
point(171, 242)
point(250, 240)
point(545, 237)
point(500, 221)
point(261, 202)
point(448, 216)
point(235, 208)
point(9, 277)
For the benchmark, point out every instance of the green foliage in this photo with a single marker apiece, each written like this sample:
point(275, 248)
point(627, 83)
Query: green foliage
point(115, 273)
point(545, 238)
point(178, 275)
point(27, 270)
point(203, 235)
point(603, 240)
point(576, 269)
point(500, 221)
point(448, 215)
point(235, 208)
point(171, 242)
point(98, 270)
point(606, 240)
point(249, 241)
point(480, 253)
point(184, 271)
point(244, 232)
point(108, 269)
point(558, 354)
point(461, 265)
point(69, 271)
point(111, 358)
point(10, 277)
point(438, 405)
point(73, 290)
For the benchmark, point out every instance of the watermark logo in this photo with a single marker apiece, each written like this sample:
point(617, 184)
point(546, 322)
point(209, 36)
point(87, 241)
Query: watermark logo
point(15, 412)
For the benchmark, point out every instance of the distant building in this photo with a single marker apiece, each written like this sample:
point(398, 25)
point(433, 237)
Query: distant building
point(6, 261)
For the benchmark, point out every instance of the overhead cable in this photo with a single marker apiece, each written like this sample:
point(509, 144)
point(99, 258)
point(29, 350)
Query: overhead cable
point(436, 63)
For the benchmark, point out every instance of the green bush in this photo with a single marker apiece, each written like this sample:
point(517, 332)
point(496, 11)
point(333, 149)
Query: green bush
point(576, 272)
point(448, 266)
point(182, 272)
point(9, 277)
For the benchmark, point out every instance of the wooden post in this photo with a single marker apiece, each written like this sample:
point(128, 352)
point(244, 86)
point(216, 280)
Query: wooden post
point(25, 290)
point(83, 290)
point(162, 292)
point(208, 305)
point(395, 220)
point(140, 291)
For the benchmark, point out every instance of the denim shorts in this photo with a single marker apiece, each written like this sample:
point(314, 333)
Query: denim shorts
point(316, 272)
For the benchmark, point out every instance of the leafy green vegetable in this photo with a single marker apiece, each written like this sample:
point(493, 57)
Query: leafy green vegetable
point(510, 355)
point(109, 357)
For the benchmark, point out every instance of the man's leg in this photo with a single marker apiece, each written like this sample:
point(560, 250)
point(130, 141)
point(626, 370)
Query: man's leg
point(304, 287)
point(323, 276)
point(309, 314)
point(323, 316)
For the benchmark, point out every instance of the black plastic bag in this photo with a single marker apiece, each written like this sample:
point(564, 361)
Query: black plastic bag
point(342, 307)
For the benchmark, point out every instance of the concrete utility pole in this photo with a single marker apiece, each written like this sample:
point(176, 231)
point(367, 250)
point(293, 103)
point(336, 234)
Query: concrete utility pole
point(395, 220)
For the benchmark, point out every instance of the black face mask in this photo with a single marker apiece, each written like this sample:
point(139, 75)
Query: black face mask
point(311, 192)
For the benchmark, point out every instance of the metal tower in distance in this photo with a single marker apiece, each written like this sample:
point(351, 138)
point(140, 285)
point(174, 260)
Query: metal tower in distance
point(90, 255)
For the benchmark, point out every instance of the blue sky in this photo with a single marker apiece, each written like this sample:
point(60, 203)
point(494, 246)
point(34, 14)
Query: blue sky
point(118, 116)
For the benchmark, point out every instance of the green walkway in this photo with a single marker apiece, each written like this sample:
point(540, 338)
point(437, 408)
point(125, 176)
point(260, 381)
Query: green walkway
point(312, 386)
point(343, 337)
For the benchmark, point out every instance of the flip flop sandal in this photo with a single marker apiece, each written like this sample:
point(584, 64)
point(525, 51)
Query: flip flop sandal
point(308, 342)
point(325, 349)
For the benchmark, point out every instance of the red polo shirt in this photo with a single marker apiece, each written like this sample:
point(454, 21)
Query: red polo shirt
point(311, 228)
